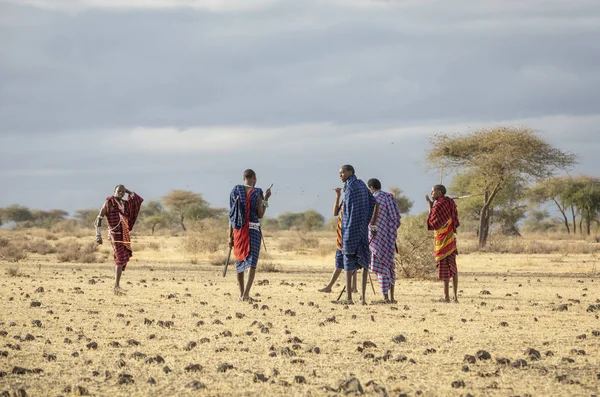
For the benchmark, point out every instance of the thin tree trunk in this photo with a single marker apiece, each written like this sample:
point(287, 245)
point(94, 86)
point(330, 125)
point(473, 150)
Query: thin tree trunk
point(562, 211)
point(484, 220)
point(588, 221)
point(182, 225)
point(574, 220)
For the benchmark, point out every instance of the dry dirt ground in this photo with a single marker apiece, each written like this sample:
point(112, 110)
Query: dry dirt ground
point(525, 325)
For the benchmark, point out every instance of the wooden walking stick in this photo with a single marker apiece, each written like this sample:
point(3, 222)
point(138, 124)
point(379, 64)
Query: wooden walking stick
point(372, 286)
point(344, 289)
point(227, 262)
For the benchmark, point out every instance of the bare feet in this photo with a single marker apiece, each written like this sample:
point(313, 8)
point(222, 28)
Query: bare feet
point(355, 291)
point(326, 289)
point(119, 291)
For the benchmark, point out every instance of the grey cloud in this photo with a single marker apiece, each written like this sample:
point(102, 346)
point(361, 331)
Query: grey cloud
point(298, 62)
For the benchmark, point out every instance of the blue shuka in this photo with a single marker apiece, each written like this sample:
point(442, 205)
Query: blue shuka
point(359, 205)
point(237, 217)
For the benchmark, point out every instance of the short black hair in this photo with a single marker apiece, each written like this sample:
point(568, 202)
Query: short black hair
point(118, 186)
point(348, 167)
point(440, 188)
point(249, 173)
point(374, 183)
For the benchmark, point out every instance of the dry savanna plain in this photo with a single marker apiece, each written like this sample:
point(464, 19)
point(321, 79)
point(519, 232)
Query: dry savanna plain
point(526, 323)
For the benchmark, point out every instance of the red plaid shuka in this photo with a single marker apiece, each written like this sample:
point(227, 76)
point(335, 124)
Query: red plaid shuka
point(120, 222)
point(443, 220)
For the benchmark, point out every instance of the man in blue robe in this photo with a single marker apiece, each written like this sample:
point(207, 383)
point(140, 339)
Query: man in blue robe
point(359, 204)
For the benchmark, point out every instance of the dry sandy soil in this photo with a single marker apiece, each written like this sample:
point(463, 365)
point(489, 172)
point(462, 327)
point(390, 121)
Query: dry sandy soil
point(525, 325)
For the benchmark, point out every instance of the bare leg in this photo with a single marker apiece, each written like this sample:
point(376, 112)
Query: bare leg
point(447, 290)
point(349, 275)
point(455, 286)
point(118, 272)
point(392, 293)
point(365, 277)
point(334, 277)
point(240, 278)
point(251, 273)
point(354, 278)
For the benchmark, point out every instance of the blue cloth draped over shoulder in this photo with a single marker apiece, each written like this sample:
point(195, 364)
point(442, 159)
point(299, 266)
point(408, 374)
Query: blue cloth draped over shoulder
point(359, 205)
point(237, 217)
point(237, 206)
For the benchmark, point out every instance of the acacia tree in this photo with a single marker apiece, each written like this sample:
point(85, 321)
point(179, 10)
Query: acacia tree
point(587, 199)
point(180, 201)
point(576, 195)
point(505, 210)
point(495, 155)
point(404, 203)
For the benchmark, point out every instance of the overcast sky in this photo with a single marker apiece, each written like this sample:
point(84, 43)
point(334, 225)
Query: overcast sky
point(186, 94)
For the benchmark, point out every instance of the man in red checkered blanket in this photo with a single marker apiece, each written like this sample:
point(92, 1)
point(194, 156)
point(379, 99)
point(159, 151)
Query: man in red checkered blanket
point(121, 216)
point(443, 220)
point(382, 237)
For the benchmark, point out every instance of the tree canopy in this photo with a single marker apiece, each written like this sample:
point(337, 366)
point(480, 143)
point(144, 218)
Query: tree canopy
point(495, 157)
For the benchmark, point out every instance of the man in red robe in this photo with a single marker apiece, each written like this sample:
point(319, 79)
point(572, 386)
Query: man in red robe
point(443, 220)
point(120, 215)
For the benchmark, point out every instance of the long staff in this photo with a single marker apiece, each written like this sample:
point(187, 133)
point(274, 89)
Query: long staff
point(227, 262)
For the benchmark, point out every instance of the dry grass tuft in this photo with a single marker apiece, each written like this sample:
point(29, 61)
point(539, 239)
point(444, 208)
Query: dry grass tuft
point(269, 267)
point(41, 247)
point(72, 251)
point(13, 252)
point(299, 242)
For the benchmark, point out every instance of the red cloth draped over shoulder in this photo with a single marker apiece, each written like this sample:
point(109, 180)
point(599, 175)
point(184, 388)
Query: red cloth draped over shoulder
point(443, 219)
point(241, 237)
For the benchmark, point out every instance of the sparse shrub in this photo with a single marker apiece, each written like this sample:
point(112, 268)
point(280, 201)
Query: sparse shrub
point(71, 251)
point(154, 246)
point(4, 242)
point(13, 272)
point(13, 252)
point(269, 267)
point(51, 236)
point(41, 247)
point(196, 243)
point(71, 228)
point(220, 260)
point(415, 246)
point(299, 242)
point(326, 250)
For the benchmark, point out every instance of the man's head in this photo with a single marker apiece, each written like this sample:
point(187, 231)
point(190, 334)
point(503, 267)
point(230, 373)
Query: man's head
point(346, 172)
point(438, 191)
point(119, 191)
point(373, 184)
point(250, 177)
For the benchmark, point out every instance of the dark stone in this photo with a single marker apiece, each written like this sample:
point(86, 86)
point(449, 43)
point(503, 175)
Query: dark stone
point(502, 361)
point(196, 385)
point(126, 379)
point(224, 367)
point(193, 368)
point(520, 364)
point(260, 378)
point(151, 381)
point(457, 384)
point(470, 359)
point(351, 385)
point(399, 339)
point(483, 355)
point(299, 379)
point(166, 369)
point(36, 304)
point(534, 355)
point(92, 345)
